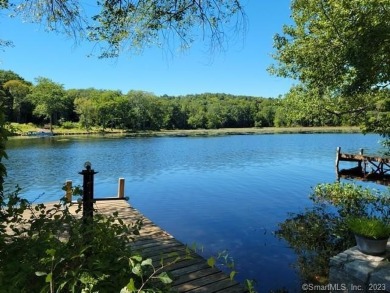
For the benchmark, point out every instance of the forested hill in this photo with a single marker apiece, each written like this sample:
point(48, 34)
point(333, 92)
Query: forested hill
point(48, 102)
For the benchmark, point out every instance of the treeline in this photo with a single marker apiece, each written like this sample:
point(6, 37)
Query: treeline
point(49, 102)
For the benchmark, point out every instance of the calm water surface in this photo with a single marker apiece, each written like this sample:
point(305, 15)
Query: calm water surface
point(225, 193)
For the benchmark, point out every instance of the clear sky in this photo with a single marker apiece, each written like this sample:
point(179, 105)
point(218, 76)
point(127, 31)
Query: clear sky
point(241, 70)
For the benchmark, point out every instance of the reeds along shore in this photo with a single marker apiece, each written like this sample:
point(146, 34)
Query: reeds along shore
point(200, 132)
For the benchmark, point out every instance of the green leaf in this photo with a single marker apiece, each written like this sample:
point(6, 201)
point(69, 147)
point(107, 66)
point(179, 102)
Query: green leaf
point(137, 270)
point(147, 262)
point(49, 278)
point(51, 252)
point(137, 258)
point(40, 274)
point(163, 277)
point(211, 261)
point(131, 286)
point(232, 275)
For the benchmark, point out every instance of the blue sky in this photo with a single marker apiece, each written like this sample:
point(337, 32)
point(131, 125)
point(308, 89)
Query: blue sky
point(241, 70)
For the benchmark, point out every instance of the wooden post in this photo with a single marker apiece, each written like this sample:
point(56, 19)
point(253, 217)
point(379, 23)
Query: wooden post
point(360, 162)
point(121, 188)
point(68, 190)
point(338, 150)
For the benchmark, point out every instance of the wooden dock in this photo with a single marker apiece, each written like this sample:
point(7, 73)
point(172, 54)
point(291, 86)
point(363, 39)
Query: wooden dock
point(190, 274)
point(379, 167)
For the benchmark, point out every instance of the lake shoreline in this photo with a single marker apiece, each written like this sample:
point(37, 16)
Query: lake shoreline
point(207, 132)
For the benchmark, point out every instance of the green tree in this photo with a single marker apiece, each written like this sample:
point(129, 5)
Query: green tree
point(339, 49)
point(145, 110)
point(48, 98)
point(265, 115)
point(86, 110)
point(302, 107)
point(19, 91)
point(105, 103)
point(6, 99)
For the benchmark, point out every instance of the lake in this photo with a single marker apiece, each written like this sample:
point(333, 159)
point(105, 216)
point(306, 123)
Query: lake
point(222, 193)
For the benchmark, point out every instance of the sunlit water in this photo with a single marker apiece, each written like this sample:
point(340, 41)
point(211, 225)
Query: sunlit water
point(222, 193)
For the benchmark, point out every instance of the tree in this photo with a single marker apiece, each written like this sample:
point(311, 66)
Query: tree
point(337, 46)
point(145, 112)
point(135, 24)
point(6, 99)
point(19, 91)
point(339, 49)
point(302, 107)
point(48, 98)
point(86, 109)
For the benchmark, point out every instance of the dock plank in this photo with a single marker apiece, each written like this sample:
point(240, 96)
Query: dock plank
point(191, 274)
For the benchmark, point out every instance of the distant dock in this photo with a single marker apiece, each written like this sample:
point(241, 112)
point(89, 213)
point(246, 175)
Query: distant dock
point(369, 168)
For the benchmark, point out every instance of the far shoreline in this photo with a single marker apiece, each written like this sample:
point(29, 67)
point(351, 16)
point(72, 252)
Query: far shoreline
point(201, 132)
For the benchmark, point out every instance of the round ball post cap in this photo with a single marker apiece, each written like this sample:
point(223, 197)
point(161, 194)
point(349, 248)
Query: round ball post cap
point(87, 165)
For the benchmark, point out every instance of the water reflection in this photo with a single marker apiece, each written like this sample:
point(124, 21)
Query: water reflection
point(320, 232)
point(226, 193)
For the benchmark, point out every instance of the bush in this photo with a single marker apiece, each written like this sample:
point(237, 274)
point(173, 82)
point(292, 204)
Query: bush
point(351, 199)
point(70, 125)
point(49, 249)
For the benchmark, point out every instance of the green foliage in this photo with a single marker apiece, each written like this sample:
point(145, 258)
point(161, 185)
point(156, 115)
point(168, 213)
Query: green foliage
point(369, 227)
point(378, 118)
point(302, 107)
point(224, 261)
point(351, 199)
point(69, 125)
point(321, 232)
point(250, 286)
point(336, 46)
point(49, 249)
point(339, 52)
point(117, 26)
point(138, 110)
point(19, 91)
point(48, 98)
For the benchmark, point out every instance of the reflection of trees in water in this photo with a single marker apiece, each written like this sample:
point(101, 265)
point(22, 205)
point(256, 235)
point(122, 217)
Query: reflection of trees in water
point(315, 235)
point(320, 232)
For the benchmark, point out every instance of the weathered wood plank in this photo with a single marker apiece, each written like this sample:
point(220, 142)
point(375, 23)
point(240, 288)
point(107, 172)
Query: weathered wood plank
point(209, 283)
point(191, 273)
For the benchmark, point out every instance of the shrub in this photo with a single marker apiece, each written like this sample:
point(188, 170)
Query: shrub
point(49, 249)
point(70, 125)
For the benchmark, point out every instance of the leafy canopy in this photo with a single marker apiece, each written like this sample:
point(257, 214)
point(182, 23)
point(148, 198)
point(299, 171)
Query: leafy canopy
point(122, 25)
point(339, 51)
point(341, 47)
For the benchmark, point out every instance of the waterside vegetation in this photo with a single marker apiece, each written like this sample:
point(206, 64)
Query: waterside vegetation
point(338, 51)
point(323, 231)
point(47, 104)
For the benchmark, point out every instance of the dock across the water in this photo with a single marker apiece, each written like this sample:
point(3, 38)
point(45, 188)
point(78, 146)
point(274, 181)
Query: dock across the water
point(369, 168)
point(190, 274)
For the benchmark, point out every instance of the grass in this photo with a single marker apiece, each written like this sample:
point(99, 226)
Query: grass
point(369, 227)
point(23, 129)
